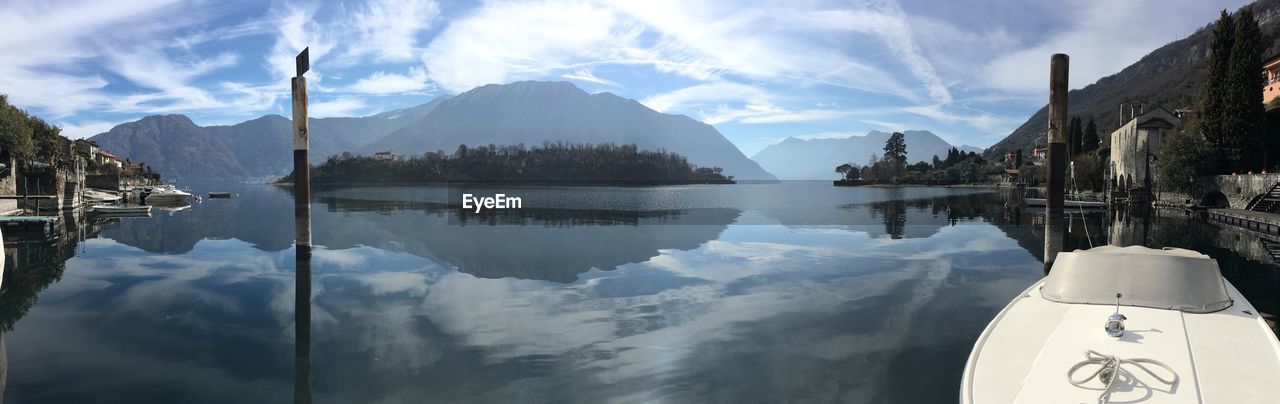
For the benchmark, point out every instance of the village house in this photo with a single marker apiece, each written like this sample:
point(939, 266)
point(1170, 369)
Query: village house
point(89, 148)
point(1271, 70)
point(386, 155)
point(107, 159)
point(1134, 146)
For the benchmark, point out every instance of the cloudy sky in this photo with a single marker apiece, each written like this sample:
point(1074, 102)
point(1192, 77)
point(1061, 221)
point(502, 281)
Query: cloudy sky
point(760, 71)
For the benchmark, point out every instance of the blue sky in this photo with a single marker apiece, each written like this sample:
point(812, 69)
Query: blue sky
point(760, 71)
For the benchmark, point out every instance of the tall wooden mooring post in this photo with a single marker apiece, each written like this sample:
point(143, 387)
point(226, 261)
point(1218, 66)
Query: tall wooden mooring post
point(1056, 177)
point(302, 223)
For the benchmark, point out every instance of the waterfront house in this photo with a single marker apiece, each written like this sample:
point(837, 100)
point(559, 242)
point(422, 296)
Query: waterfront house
point(1134, 146)
point(1271, 70)
point(89, 148)
point(386, 155)
point(107, 159)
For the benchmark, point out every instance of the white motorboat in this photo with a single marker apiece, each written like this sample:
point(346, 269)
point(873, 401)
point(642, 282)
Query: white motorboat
point(121, 209)
point(1040, 202)
point(1177, 333)
point(165, 194)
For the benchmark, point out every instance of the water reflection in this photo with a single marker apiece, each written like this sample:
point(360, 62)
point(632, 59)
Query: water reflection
point(857, 301)
point(302, 327)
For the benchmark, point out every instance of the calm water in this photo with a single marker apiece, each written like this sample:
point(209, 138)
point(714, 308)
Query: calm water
point(796, 292)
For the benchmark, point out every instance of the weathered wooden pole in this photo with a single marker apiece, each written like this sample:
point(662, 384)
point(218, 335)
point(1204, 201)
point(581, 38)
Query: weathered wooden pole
point(301, 168)
point(302, 223)
point(1057, 158)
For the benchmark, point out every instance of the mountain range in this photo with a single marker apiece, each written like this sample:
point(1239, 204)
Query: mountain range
point(529, 113)
point(816, 159)
point(1170, 76)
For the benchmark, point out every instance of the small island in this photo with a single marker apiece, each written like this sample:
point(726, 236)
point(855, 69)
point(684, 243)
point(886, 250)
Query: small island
point(550, 163)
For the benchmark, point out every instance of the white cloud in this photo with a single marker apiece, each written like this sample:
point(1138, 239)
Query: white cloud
point(721, 101)
point(504, 41)
point(700, 94)
point(85, 129)
point(1106, 37)
point(588, 76)
point(391, 83)
point(388, 29)
point(980, 120)
point(343, 106)
point(44, 42)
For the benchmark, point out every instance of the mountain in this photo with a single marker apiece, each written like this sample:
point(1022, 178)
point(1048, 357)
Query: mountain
point(172, 145)
point(525, 112)
point(533, 112)
point(816, 159)
point(1171, 77)
point(259, 143)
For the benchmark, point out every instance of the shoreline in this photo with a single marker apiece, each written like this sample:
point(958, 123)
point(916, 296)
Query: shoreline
point(584, 183)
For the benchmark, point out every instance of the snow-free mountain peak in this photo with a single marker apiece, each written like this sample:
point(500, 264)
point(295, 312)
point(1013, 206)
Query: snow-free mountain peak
point(527, 112)
point(816, 159)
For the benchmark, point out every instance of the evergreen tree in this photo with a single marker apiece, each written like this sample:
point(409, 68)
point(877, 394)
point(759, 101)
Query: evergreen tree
point(1216, 84)
point(1075, 137)
point(895, 149)
point(1090, 140)
point(1244, 124)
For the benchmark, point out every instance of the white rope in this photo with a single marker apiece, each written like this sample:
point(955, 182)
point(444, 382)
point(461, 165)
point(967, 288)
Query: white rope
point(1109, 368)
point(1083, 220)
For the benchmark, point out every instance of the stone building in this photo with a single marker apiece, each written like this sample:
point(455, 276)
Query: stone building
point(1134, 146)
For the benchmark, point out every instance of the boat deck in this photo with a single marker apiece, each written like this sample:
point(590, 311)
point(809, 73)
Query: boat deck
point(1216, 356)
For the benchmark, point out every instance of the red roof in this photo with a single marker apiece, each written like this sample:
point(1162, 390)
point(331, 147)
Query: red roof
point(105, 154)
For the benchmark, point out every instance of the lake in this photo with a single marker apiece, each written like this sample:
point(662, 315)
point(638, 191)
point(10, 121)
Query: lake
point(798, 292)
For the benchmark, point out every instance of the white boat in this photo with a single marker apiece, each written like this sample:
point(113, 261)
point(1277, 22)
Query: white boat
point(165, 194)
point(121, 209)
point(1180, 333)
point(1040, 202)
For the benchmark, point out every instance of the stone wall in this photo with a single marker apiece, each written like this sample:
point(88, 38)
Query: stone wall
point(8, 185)
point(109, 182)
point(1241, 189)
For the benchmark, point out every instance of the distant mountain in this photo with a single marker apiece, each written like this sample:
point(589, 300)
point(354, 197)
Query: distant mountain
point(532, 112)
point(1171, 76)
point(259, 144)
point(816, 159)
point(172, 145)
point(526, 112)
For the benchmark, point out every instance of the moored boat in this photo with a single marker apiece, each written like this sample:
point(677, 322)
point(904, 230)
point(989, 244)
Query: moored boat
point(1126, 324)
point(166, 194)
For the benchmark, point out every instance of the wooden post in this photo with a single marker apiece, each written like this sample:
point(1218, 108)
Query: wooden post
point(1057, 145)
point(301, 167)
point(302, 223)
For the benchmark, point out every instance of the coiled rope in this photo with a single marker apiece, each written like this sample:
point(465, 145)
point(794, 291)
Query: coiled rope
point(1110, 367)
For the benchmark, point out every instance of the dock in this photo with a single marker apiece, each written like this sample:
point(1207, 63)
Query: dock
point(1262, 222)
point(29, 223)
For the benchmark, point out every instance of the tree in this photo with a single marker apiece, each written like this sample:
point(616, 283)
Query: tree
point(1245, 105)
point(895, 150)
point(1075, 137)
point(1090, 138)
point(1214, 110)
point(15, 130)
point(1183, 160)
point(844, 170)
point(1018, 159)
